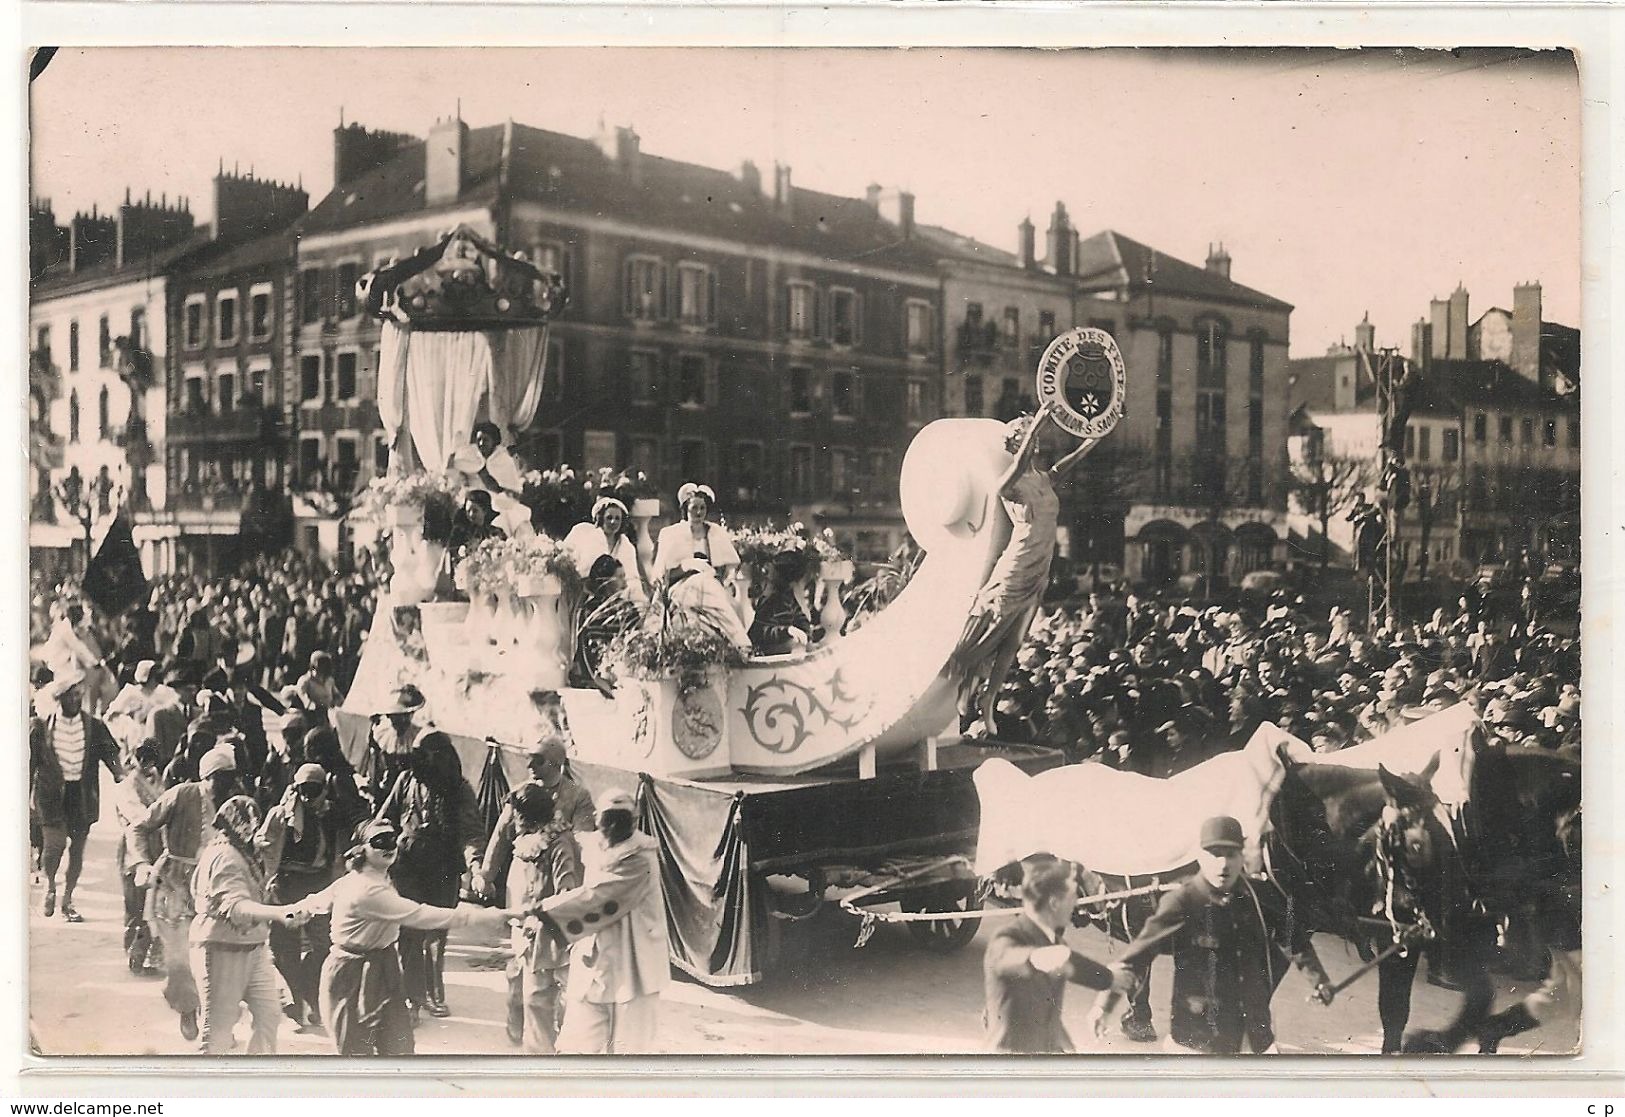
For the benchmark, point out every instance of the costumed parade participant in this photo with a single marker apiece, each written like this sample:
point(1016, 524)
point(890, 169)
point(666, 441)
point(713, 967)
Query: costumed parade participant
point(692, 557)
point(363, 993)
point(1008, 601)
point(487, 465)
point(605, 534)
point(66, 748)
point(616, 925)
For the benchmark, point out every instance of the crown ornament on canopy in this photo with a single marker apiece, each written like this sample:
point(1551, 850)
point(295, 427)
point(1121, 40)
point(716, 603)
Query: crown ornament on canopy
point(462, 282)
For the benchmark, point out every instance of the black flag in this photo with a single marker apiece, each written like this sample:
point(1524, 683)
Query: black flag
point(113, 577)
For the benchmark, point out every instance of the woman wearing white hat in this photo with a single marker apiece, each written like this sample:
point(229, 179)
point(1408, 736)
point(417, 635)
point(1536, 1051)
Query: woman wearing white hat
point(693, 557)
point(605, 534)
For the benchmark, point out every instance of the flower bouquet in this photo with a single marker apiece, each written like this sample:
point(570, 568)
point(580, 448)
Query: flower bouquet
point(560, 498)
point(799, 553)
point(671, 643)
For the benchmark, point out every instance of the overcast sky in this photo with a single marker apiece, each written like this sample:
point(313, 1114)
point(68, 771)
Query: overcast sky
point(1340, 182)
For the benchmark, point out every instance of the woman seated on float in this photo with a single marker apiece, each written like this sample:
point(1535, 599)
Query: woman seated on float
point(486, 464)
point(605, 535)
point(692, 557)
point(782, 625)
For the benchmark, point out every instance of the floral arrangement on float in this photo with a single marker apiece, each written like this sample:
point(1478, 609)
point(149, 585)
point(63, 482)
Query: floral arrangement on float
point(407, 498)
point(517, 568)
point(560, 498)
point(802, 554)
point(670, 643)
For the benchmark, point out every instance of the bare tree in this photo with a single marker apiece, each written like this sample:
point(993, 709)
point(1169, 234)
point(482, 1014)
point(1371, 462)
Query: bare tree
point(1327, 486)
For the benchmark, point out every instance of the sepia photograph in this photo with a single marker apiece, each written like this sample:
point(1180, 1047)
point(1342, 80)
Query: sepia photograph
point(803, 551)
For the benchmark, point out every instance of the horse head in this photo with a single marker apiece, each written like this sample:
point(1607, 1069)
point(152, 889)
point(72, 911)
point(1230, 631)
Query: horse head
point(1411, 854)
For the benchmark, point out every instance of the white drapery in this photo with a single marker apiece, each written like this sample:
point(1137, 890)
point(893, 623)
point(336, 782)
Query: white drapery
point(439, 383)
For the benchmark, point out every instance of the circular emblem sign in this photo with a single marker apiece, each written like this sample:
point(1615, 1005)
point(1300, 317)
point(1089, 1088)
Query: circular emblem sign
point(1082, 374)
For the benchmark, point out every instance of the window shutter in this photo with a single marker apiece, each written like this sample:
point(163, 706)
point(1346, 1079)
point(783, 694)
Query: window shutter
point(662, 277)
point(857, 323)
point(784, 310)
point(329, 294)
point(628, 292)
point(820, 301)
point(857, 395)
point(711, 296)
point(713, 384)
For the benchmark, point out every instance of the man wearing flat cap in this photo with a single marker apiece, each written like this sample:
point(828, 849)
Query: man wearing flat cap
point(1230, 946)
point(616, 925)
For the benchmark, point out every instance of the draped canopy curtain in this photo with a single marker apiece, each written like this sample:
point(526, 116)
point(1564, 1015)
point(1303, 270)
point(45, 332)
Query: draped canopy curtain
point(438, 384)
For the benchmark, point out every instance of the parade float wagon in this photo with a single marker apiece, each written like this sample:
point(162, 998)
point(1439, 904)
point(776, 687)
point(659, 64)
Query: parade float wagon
point(769, 785)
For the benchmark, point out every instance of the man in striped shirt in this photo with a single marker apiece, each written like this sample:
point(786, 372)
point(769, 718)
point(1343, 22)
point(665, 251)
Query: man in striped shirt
point(64, 750)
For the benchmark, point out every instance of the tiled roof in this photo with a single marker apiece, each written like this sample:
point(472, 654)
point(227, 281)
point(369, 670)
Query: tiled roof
point(226, 259)
point(571, 173)
point(1491, 383)
point(59, 280)
point(969, 248)
point(1109, 260)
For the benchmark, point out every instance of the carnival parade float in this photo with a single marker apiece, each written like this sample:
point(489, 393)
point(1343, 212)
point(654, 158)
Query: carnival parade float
point(831, 766)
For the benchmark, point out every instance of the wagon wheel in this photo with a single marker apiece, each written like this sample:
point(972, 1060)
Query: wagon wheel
point(942, 936)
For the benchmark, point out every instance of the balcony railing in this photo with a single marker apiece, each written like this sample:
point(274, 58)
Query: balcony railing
point(245, 422)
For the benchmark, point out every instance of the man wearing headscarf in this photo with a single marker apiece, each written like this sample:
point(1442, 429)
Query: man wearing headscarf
point(65, 749)
point(301, 841)
point(165, 844)
point(228, 936)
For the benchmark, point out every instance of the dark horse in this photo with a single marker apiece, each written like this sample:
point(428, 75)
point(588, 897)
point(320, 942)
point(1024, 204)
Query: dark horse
point(1521, 846)
point(1363, 855)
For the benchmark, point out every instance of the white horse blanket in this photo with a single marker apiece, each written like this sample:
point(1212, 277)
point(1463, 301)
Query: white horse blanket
point(1121, 822)
point(1408, 750)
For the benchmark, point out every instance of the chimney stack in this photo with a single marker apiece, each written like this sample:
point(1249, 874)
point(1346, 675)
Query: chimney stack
point(751, 176)
point(1062, 241)
point(1422, 343)
point(871, 195)
point(1458, 323)
point(1365, 335)
point(246, 207)
point(47, 241)
point(356, 150)
point(145, 228)
point(1026, 242)
point(92, 240)
point(445, 162)
point(1219, 262)
point(783, 190)
point(1526, 315)
point(898, 208)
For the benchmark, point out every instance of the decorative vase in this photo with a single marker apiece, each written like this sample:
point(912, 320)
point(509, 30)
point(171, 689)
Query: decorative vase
point(406, 515)
point(832, 616)
point(482, 618)
point(546, 638)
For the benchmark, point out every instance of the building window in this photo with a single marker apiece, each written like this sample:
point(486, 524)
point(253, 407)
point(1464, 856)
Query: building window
point(73, 345)
point(800, 391)
point(1549, 434)
point(1574, 434)
point(226, 391)
point(1506, 428)
point(918, 328)
point(1255, 365)
point(1165, 355)
point(843, 473)
point(1046, 327)
point(254, 389)
point(310, 295)
point(310, 378)
point(644, 299)
point(1010, 326)
point(1210, 422)
point(550, 256)
point(347, 462)
point(692, 460)
point(1450, 445)
point(843, 396)
point(310, 461)
point(380, 455)
point(801, 310)
point(691, 377)
point(346, 385)
point(1106, 326)
point(1424, 443)
point(104, 344)
point(645, 373)
point(42, 342)
point(192, 322)
point(1210, 353)
point(845, 317)
point(554, 371)
point(801, 478)
point(1528, 431)
point(104, 418)
point(348, 273)
point(196, 398)
point(1481, 423)
point(1255, 427)
point(747, 465)
point(225, 320)
point(973, 315)
point(1410, 441)
point(916, 406)
point(73, 415)
point(646, 458)
point(696, 294)
point(974, 403)
point(259, 313)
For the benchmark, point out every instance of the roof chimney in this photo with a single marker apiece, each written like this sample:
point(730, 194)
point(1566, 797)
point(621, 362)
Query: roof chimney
point(246, 207)
point(1526, 315)
point(751, 176)
point(898, 208)
point(1218, 262)
point(145, 228)
point(1061, 240)
point(1025, 242)
point(871, 195)
point(357, 150)
point(620, 146)
point(783, 191)
point(1365, 334)
point(445, 162)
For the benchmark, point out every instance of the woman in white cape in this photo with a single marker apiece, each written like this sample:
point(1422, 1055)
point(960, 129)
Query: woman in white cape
point(693, 556)
point(486, 464)
point(605, 534)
